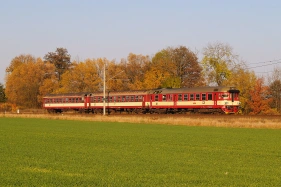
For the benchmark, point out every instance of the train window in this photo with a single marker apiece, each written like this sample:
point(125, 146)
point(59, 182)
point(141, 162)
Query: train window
point(140, 98)
point(137, 97)
point(127, 98)
point(132, 98)
point(185, 97)
point(204, 97)
point(156, 97)
point(164, 98)
point(66, 100)
point(210, 97)
point(224, 95)
point(123, 98)
point(191, 97)
point(180, 97)
point(197, 97)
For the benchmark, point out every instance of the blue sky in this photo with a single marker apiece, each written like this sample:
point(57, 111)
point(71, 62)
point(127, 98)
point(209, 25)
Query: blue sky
point(113, 29)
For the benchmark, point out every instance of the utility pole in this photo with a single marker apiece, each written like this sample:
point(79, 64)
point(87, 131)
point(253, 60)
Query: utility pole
point(104, 89)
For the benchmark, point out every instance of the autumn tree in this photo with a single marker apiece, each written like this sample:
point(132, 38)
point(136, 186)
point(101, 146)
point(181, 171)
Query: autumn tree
point(275, 92)
point(117, 79)
point(161, 72)
point(50, 82)
point(60, 58)
point(82, 77)
point(274, 81)
point(135, 67)
point(2, 94)
point(187, 66)
point(218, 63)
point(180, 66)
point(260, 102)
point(23, 83)
point(19, 60)
point(154, 78)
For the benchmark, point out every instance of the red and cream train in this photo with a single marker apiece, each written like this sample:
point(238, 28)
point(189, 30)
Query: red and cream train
point(166, 100)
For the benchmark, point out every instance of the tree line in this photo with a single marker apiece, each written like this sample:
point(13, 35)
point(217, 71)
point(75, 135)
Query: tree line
point(28, 78)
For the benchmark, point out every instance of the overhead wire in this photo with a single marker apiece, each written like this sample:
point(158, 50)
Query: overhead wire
point(274, 63)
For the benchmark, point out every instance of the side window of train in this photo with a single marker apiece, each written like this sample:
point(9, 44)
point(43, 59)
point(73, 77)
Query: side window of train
point(197, 97)
point(203, 97)
point(171, 97)
point(224, 95)
point(163, 97)
point(140, 98)
point(191, 97)
point(156, 97)
point(185, 97)
point(180, 97)
point(210, 97)
point(132, 98)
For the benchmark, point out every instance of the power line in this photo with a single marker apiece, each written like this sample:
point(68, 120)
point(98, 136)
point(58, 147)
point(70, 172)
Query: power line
point(264, 65)
point(265, 61)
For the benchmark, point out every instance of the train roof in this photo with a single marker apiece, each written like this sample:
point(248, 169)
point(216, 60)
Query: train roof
point(81, 94)
point(112, 93)
point(143, 92)
point(196, 89)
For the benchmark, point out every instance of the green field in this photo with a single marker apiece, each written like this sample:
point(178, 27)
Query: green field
point(41, 152)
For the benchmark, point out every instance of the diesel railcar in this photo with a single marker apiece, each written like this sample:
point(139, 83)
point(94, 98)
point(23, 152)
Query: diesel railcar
point(224, 99)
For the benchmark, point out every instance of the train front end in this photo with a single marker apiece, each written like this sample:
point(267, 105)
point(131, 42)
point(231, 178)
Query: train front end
point(231, 101)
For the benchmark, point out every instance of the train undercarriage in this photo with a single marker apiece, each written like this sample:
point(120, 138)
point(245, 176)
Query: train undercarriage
point(147, 110)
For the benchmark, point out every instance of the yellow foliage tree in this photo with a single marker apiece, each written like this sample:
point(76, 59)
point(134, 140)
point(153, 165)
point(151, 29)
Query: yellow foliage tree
point(154, 78)
point(23, 83)
point(83, 77)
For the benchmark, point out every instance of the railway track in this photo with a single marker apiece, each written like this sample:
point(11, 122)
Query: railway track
point(202, 116)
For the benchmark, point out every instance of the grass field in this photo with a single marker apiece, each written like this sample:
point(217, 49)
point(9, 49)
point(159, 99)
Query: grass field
point(48, 152)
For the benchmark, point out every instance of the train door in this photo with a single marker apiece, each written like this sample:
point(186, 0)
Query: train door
point(90, 100)
point(85, 101)
point(150, 100)
point(215, 99)
point(175, 100)
point(143, 100)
